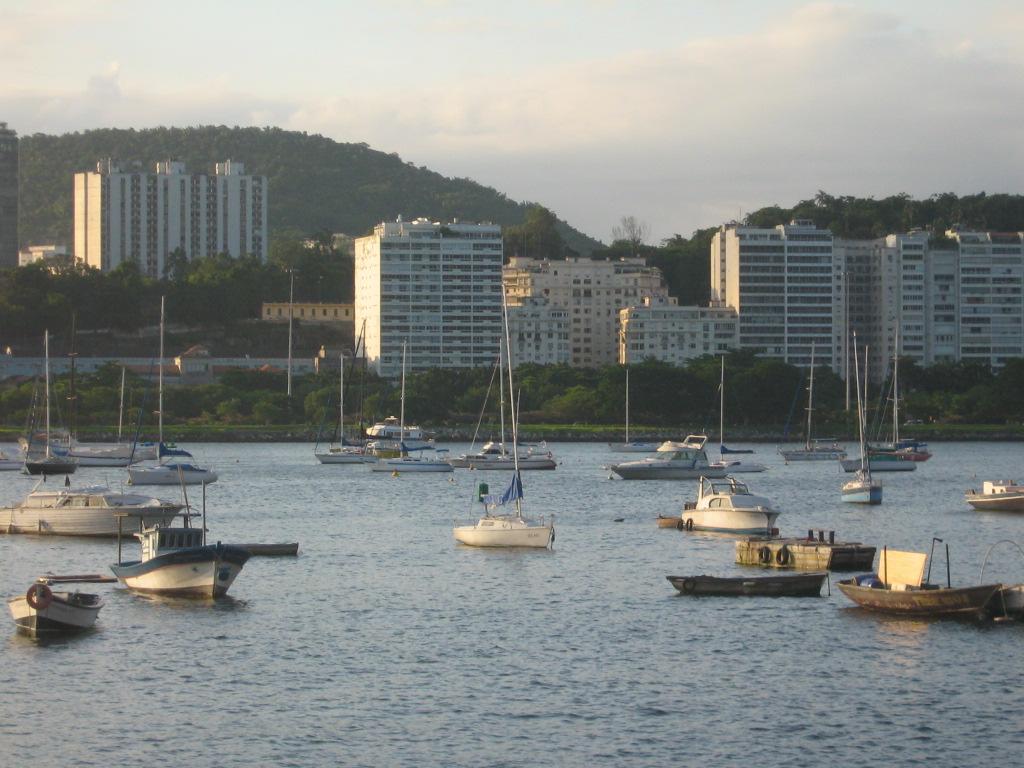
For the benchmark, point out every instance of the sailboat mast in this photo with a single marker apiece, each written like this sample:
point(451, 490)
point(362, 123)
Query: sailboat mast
point(896, 391)
point(627, 406)
point(401, 411)
point(860, 410)
point(810, 399)
point(120, 409)
point(721, 407)
point(160, 383)
point(341, 396)
point(501, 396)
point(511, 399)
point(46, 386)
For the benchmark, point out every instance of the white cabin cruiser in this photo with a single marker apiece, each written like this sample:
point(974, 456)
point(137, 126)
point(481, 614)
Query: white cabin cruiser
point(728, 506)
point(85, 511)
point(688, 461)
point(998, 495)
point(388, 437)
point(495, 455)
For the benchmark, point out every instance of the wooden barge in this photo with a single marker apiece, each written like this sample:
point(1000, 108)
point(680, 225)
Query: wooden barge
point(814, 553)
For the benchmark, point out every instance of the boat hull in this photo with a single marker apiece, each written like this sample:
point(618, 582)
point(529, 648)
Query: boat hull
point(862, 495)
point(404, 465)
point(790, 585)
point(78, 521)
point(738, 467)
point(655, 471)
point(812, 455)
point(504, 462)
point(963, 601)
point(201, 572)
point(51, 466)
point(167, 474)
point(64, 614)
point(877, 464)
point(345, 458)
point(506, 532)
point(1003, 502)
point(722, 520)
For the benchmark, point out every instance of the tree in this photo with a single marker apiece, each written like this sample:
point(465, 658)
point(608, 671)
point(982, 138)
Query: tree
point(631, 231)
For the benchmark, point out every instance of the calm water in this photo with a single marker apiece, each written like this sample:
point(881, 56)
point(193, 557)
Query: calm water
point(384, 643)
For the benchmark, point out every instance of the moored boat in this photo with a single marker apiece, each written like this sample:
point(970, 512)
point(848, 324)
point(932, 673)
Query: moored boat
point(997, 496)
point(83, 511)
point(42, 611)
point(728, 506)
point(178, 562)
point(497, 456)
point(788, 585)
point(687, 462)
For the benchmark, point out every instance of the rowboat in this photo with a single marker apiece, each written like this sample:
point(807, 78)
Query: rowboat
point(787, 585)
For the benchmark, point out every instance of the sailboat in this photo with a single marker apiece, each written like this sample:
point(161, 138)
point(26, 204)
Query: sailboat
point(343, 453)
point(906, 449)
point(812, 450)
point(631, 446)
point(496, 529)
point(50, 463)
point(863, 489)
point(730, 465)
point(404, 462)
point(111, 454)
point(167, 473)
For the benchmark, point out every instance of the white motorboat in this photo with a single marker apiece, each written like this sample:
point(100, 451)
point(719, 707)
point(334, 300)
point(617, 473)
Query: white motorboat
point(631, 446)
point(728, 506)
point(170, 473)
point(820, 449)
point(691, 441)
point(42, 611)
point(87, 511)
point(173, 472)
point(998, 496)
point(387, 438)
point(178, 562)
point(737, 466)
point(511, 529)
point(689, 462)
point(497, 456)
point(343, 452)
point(863, 489)
point(405, 461)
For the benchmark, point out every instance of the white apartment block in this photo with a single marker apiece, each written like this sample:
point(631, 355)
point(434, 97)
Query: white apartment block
point(785, 287)
point(538, 332)
point(991, 277)
point(592, 292)
point(659, 329)
point(436, 287)
point(143, 217)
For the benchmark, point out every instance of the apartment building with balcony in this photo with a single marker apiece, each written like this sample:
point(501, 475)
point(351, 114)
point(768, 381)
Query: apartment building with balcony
point(131, 215)
point(436, 287)
point(659, 329)
point(592, 292)
point(538, 331)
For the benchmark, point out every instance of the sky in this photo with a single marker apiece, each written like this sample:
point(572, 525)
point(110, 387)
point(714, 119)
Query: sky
point(684, 113)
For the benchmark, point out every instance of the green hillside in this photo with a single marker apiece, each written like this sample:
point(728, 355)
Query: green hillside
point(316, 184)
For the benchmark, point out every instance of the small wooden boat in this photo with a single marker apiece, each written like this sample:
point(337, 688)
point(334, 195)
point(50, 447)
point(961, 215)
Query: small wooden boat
point(787, 585)
point(900, 587)
point(42, 611)
point(670, 521)
point(998, 496)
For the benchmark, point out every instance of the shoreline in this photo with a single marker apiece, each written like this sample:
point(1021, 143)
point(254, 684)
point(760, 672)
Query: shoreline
point(561, 433)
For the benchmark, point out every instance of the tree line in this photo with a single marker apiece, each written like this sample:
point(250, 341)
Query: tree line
point(759, 393)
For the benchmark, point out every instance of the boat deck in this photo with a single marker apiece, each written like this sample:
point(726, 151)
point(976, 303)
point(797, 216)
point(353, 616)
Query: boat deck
point(810, 554)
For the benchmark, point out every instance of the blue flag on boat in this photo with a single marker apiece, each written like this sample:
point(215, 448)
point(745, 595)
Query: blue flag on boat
point(513, 492)
point(167, 450)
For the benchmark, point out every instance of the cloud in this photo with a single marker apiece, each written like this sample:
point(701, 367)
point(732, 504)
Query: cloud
point(827, 97)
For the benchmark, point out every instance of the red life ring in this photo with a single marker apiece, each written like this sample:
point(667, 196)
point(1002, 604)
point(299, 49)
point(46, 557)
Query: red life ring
point(39, 597)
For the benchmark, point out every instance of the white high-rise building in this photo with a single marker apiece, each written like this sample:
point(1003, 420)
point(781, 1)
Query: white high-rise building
point(592, 292)
point(436, 287)
point(143, 217)
point(659, 329)
point(786, 288)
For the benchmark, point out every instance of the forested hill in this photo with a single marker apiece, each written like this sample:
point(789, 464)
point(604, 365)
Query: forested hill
point(316, 184)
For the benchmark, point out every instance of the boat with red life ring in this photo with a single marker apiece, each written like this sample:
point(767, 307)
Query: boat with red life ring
point(42, 611)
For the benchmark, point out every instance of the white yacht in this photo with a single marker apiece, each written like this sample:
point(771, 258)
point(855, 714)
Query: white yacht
point(689, 461)
point(388, 437)
point(87, 511)
point(998, 495)
point(728, 506)
point(496, 455)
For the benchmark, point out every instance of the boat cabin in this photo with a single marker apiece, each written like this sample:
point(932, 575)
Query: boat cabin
point(158, 541)
point(996, 487)
point(727, 486)
point(689, 456)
